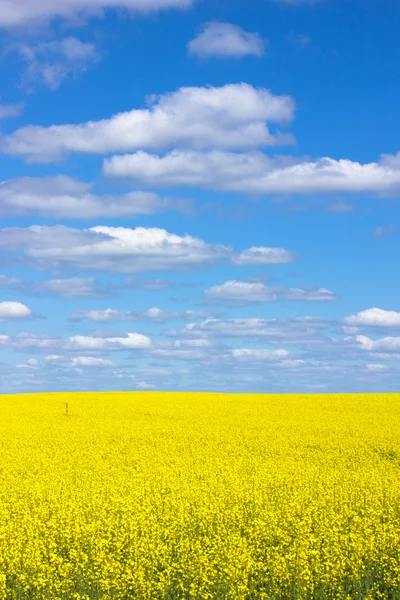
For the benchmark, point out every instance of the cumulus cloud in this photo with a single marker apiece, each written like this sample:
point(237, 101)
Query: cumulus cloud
point(243, 293)
point(12, 281)
point(49, 63)
point(376, 367)
point(386, 344)
point(112, 249)
point(233, 116)
point(79, 361)
point(374, 317)
point(152, 284)
point(134, 341)
point(154, 314)
point(103, 316)
point(74, 287)
point(8, 111)
point(310, 294)
point(303, 330)
point(225, 40)
point(263, 256)
point(28, 341)
point(255, 172)
point(196, 349)
point(26, 12)
point(62, 197)
point(259, 354)
point(14, 310)
point(77, 343)
point(239, 293)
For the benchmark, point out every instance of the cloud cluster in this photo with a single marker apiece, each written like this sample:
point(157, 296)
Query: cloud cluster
point(122, 250)
point(79, 361)
point(244, 293)
point(154, 314)
point(62, 197)
point(230, 354)
point(50, 63)
point(386, 344)
point(232, 116)
point(27, 12)
point(300, 330)
point(255, 172)
point(73, 287)
point(76, 343)
point(109, 249)
point(225, 40)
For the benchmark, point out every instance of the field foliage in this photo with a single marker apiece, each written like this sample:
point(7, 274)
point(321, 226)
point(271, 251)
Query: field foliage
point(199, 496)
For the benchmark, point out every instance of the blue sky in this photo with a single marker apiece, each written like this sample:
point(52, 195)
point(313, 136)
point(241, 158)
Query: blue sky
point(199, 195)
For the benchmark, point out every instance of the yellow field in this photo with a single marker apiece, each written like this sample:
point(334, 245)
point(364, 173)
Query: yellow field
point(153, 495)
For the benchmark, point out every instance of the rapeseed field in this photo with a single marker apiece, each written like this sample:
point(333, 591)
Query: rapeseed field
point(199, 496)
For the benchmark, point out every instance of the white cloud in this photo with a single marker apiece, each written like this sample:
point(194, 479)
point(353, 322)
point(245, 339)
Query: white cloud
point(294, 363)
point(386, 344)
point(149, 284)
point(26, 12)
point(102, 316)
point(155, 314)
point(239, 293)
point(301, 330)
point(14, 310)
point(28, 341)
point(25, 341)
point(391, 160)
point(309, 294)
point(197, 349)
point(226, 40)
point(374, 317)
point(91, 361)
point(232, 116)
point(135, 341)
point(243, 293)
point(113, 249)
point(259, 354)
point(62, 197)
point(79, 361)
point(8, 111)
point(263, 256)
point(254, 172)
point(376, 367)
point(49, 63)
point(5, 280)
point(74, 287)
